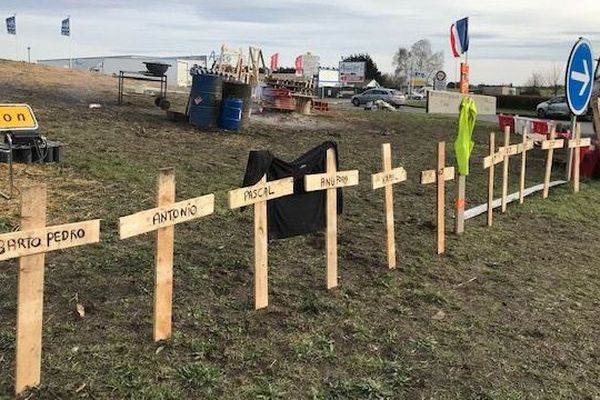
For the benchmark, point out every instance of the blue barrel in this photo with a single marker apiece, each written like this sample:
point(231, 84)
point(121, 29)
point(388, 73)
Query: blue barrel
point(205, 100)
point(231, 114)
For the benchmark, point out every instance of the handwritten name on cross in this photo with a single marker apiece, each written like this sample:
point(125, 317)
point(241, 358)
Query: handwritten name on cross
point(440, 176)
point(387, 179)
point(330, 181)
point(30, 245)
point(258, 195)
point(163, 219)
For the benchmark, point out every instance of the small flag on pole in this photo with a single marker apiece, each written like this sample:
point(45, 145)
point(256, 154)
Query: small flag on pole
point(459, 37)
point(11, 25)
point(275, 62)
point(65, 28)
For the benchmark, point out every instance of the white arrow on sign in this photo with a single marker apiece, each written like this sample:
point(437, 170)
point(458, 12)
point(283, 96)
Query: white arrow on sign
point(583, 77)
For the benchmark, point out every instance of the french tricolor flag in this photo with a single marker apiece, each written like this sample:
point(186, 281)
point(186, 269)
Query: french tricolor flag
point(459, 37)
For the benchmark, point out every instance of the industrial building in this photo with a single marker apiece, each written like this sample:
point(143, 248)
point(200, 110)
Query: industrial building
point(178, 74)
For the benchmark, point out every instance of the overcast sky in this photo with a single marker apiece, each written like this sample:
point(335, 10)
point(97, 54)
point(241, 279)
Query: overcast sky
point(509, 39)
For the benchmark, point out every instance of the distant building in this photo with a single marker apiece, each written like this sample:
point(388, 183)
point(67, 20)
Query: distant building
point(499, 91)
point(178, 73)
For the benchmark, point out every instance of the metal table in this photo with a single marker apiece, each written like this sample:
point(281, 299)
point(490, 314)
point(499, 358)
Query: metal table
point(142, 76)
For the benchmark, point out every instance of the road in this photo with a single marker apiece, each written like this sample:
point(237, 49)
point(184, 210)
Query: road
point(587, 128)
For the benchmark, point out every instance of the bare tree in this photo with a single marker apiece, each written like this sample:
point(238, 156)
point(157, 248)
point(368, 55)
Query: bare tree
point(420, 58)
point(534, 83)
point(554, 77)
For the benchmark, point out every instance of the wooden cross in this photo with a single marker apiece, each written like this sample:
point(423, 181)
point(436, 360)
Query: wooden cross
point(523, 148)
point(163, 219)
point(30, 245)
point(387, 179)
point(507, 150)
point(550, 145)
point(490, 163)
point(330, 181)
point(576, 144)
point(440, 176)
point(258, 195)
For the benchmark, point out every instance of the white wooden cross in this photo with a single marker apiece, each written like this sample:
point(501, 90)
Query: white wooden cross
point(330, 181)
point(30, 245)
point(163, 219)
point(550, 145)
point(440, 176)
point(576, 143)
point(258, 195)
point(387, 179)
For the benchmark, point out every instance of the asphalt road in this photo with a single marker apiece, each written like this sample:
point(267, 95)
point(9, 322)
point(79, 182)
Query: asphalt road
point(587, 128)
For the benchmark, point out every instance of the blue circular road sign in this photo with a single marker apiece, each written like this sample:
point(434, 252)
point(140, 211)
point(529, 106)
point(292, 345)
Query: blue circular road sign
point(579, 78)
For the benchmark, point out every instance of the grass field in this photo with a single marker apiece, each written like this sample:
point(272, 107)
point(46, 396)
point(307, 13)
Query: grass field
point(508, 313)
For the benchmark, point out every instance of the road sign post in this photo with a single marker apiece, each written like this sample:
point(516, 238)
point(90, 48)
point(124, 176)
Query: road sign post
point(578, 85)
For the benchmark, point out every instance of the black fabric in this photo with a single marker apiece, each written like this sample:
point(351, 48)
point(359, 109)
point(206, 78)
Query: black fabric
point(303, 212)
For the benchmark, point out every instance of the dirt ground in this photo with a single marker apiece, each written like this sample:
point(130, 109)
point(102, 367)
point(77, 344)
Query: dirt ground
point(507, 313)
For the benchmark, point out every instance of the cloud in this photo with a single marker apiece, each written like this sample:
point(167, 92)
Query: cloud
point(503, 35)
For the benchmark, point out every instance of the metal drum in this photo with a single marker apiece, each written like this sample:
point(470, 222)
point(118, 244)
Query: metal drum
point(241, 91)
point(205, 100)
point(231, 114)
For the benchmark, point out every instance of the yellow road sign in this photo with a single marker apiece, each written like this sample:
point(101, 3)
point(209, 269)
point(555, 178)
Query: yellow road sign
point(14, 117)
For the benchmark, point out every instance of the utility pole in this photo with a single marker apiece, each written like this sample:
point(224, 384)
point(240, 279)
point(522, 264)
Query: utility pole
point(29, 54)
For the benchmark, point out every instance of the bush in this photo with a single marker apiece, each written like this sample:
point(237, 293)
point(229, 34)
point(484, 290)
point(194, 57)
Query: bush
point(519, 102)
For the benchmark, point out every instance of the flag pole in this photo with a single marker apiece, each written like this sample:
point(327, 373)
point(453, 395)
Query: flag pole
point(70, 44)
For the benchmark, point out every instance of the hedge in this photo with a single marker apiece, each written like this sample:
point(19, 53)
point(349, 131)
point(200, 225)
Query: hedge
point(519, 102)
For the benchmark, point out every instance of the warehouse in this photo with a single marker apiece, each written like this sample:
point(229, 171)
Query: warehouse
point(178, 74)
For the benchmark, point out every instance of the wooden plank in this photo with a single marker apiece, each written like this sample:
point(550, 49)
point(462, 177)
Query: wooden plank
point(389, 202)
point(30, 297)
point(493, 159)
point(168, 215)
point(388, 178)
point(490, 214)
point(596, 117)
point(441, 197)
point(429, 177)
point(585, 142)
point(510, 150)
point(261, 251)
point(459, 219)
point(497, 203)
point(523, 148)
point(336, 180)
point(43, 240)
point(553, 144)
point(549, 160)
point(163, 275)
point(262, 191)
point(331, 238)
point(505, 168)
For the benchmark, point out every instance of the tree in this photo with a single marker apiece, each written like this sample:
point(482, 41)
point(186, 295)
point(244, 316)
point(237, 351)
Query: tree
point(534, 83)
point(420, 57)
point(554, 77)
point(371, 70)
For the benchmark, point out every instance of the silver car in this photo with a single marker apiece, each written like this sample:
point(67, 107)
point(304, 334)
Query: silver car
point(391, 96)
point(555, 107)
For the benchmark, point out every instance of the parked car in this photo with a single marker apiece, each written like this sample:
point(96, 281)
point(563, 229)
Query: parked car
point(555, 107)
point(393, 97)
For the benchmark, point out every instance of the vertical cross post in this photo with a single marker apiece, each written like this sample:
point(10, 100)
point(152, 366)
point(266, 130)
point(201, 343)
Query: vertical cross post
point(163, 272)
point(439, 176)
point(30, 294)
point(258, 195)
point(162, 220)
point(550, 145)
point(490, 162)
point(331, 181)
point(508, 151)
point(576, 144)
point(387, 179)
point(459, 215)
point(524, 147)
